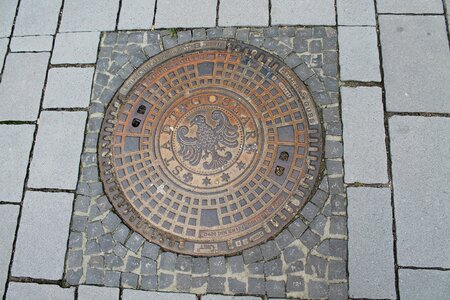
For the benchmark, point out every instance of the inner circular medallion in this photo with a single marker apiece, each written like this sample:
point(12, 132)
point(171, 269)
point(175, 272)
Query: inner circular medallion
point(210, 148)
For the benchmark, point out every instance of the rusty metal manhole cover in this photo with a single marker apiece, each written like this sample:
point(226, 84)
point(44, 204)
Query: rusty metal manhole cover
point(210, 148)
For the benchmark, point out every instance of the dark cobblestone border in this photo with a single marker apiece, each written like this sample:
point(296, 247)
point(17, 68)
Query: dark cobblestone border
point(306, 260)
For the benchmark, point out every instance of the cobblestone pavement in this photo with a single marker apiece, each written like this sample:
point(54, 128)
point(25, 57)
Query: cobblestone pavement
point(375, 228)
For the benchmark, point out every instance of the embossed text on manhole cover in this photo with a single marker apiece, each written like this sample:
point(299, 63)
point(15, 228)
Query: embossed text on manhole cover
point(210, 148)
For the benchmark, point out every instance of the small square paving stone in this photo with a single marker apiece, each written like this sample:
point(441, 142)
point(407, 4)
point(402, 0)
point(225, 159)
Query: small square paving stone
point(136, 14)
point(22, 290)
point(364, 135)
point(87, 15)
point(416, 63)
point(410, 6)
point(56, 155)
point(8, 215)
point(421, 179)
point(244, 13)
point(32, 43)
point(370, 243)
point(88, 292)
point(358, 55)
point(193, 13)
point(22, 80)
point(37, 17)
point(144, 295)
point(3, 50)
point(356, 12)
point(424, 284)
point(76, 48)
point(14, 155)
point(7, 14)
point(68, 87)
point(303, 12)
point(42, 237)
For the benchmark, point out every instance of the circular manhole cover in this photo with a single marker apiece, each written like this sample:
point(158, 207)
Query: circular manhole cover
point(210, 148)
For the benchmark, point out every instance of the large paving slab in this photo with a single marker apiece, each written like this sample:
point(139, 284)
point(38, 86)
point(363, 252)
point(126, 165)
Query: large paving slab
point(244, 13)
point(303, 12)
point(421, 182)
point(22, 290)
point(87, 15)
point(193, 13)
point(88, 292)
point(57, 150)
point(144, 295)
point(136, 14)
point(8, 215)
point(76, 48)
point(220, 297)
point(416, 63)
point(42, 237)
point(364, 135)
point(356, 12)
point(37, 17)
point(358, 54)
point(3, 49)
point(370, 244)
point(21, 86)
point(32, 43)
point(68, 87)
point(7, 14)
point(410, 6)
point(424, 284)
point(15, 147)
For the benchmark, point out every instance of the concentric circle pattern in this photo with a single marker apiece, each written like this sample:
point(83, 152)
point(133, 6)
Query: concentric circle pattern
point(210, 148)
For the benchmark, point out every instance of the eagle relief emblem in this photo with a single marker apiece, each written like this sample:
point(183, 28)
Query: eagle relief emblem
point(210, 142)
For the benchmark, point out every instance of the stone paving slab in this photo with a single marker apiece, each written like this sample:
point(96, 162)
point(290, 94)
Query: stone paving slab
point(244, 13)
point(304, 12)
point(416, 63)
point(42, 238)
point(358, 54)
point(421, 183)
point(22, 81)
point(15, 147)
point(90, 292)
point(3, 48)
point(75, 48)
point(370, 244)
point(68, 87)
point(364, 135)
point(8, 215)
point(424, 284)
point(21, 290)
point(410, 6)
point(56, 156)
point(356, 12)
point(7, 14)
point(37, 17)
point(136, 14)
point(32, 43)
point(87, 15)
point(220, 297)
point(193, 13)
point(145, 295)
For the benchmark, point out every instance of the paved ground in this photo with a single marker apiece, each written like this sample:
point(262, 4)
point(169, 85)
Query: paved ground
point(392, 98)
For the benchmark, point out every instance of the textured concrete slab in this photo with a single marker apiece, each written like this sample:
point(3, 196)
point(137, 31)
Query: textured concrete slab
point(421, 181)
point(56, 156)
point(22, 81)
point(424, 284)
point(37, 17)
point(244, 13)
point(8, 215)
point(364, 135)
point(21, 290)
point(358, 54)
point(7, 14)
point(14, 154)
point(370, 244)
point(3, 50)
point(68, 87)
point(144, 295)
point(193, 13)
point(89, 292)
point(416, 63)
point(42, 237)
point(136, 14)
point(303, 12)
point(356, 12)
point(410, 6)
point(32, 43)
point(76, 48)
point(87, 15)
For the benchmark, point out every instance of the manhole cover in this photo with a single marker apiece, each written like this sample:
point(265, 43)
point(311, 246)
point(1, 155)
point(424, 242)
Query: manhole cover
point(210, 148)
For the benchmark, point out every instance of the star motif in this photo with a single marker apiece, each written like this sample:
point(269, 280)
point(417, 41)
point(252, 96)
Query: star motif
point(225, 177)
point(206, 181)
point(188, 177)
point(241, 165)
